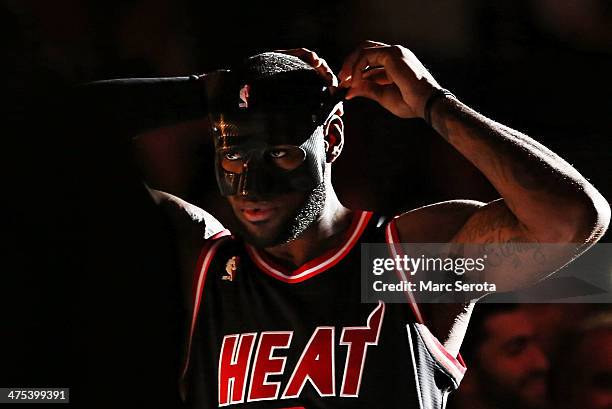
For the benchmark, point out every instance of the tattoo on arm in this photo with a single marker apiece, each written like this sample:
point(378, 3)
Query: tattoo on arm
point(506, 156)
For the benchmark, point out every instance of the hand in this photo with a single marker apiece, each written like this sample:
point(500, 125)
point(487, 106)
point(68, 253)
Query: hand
point(319, 64)
point(390, 75)
point(313, 59)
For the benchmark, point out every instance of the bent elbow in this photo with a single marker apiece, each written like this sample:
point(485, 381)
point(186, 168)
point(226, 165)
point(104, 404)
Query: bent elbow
point(581, 220)
point(592, 218)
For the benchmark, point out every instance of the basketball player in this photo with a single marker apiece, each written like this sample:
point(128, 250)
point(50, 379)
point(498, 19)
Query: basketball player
point(275, 314)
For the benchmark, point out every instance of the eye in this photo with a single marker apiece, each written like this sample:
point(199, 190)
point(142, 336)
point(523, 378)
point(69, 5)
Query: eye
point(278, 153)
point(286, 157)
point(232, 155)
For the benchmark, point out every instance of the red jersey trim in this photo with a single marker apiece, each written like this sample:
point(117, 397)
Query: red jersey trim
point(454, 366)
point(219, 234)
point(392, 237)
point(319, 264)
point(204, 260)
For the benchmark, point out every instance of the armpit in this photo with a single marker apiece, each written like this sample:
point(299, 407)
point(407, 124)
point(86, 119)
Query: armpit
point(186, 217)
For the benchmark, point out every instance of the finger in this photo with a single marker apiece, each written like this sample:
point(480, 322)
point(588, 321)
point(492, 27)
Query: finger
point(327, 73)
point(303, 53)
point(366, 89)
point(377, 75)
point(310, 57)
point(347, 67)
point(375, 57)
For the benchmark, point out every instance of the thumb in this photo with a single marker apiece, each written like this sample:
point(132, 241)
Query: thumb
point(368, 89)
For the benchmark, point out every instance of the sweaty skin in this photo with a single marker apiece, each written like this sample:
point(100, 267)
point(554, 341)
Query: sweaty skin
point(543, 198)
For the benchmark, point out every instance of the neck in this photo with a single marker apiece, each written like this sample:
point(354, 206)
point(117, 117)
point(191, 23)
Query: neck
point(324, 234)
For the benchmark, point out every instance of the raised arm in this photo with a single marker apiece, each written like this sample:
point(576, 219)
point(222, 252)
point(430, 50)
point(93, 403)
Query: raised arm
point(133, 105)
point(117, 111)
point(543, 198)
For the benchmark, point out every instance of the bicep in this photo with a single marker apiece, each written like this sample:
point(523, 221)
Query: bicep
point(192, 227)
point(188, 219)
point(513, 257)
point(435, 223)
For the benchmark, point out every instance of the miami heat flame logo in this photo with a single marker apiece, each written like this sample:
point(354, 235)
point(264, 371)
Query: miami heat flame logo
point(317, 364)
point(230, 268)
point(244, 96)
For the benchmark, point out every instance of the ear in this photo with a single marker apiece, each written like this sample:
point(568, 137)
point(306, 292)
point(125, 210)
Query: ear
point(333, 138)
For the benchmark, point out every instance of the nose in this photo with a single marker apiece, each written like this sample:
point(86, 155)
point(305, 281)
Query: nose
point(243, 185)
point(249, 182)
point(538, 359)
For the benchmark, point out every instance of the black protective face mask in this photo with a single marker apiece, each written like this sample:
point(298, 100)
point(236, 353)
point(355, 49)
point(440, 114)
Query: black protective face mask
point(261, 163)
point(264, 144)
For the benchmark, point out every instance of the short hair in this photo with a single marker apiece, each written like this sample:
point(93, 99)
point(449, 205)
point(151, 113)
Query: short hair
point(271, 64)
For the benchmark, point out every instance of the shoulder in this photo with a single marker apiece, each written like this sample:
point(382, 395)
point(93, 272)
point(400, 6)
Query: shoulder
point(195, 231)
point(437, 222)
point(186, 216)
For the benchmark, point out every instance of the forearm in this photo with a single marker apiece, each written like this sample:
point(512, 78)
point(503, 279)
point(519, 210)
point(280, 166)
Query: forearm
point(131, 106)
point(549, 198)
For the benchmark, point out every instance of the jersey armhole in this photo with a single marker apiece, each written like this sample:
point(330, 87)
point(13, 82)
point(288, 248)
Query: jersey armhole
point(453, 366)
point(395, 249)
point(205, 259)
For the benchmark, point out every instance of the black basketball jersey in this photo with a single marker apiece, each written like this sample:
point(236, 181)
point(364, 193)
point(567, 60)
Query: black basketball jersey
point(265, 337)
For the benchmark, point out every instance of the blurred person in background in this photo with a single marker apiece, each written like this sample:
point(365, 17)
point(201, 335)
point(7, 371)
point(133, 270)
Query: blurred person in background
point(507, 366)
point(583, 370)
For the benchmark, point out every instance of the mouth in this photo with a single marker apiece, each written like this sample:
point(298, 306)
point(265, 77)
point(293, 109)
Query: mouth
point(258, 213)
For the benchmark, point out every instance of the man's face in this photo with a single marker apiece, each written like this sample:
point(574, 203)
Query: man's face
point(273, 180)
point(592, 386)
point(512, 367)
point(267, 153)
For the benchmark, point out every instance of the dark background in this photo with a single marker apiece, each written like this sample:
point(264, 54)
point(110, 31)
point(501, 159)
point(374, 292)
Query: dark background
point(89, 297)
